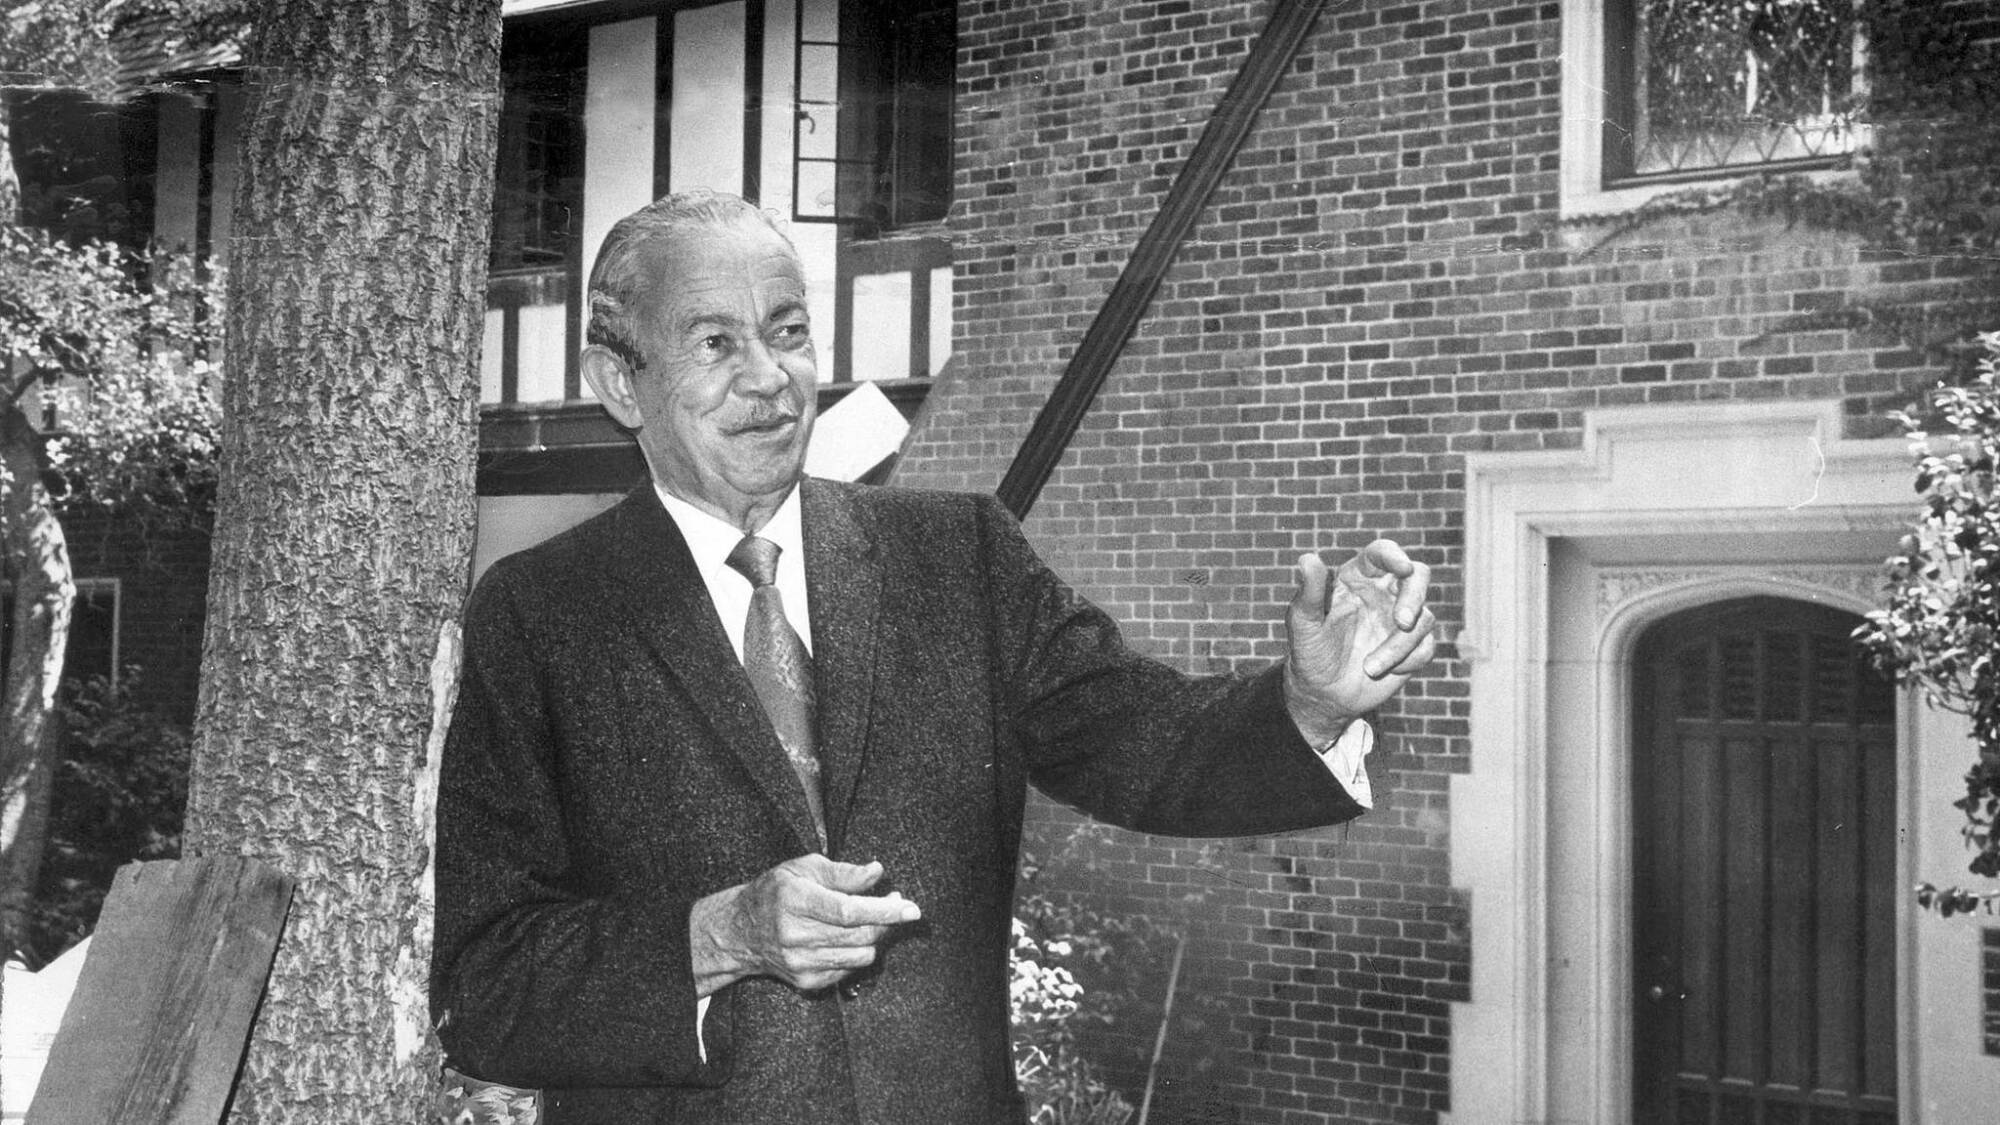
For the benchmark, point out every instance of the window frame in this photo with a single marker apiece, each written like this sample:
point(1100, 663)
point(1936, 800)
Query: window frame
point(564, 42)
point(879, 151)
point(1588, 109)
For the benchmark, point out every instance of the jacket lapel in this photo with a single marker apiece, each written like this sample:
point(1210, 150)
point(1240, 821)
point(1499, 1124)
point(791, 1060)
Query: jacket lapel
point(844, 585)
point(675, 617)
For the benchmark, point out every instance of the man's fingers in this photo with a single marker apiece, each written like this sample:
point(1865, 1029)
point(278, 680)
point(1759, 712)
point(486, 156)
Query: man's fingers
point(794, 924)
point(1415, 662)
point(835, 934)
point(836, 909)
point(1398, 654)
point(1383, 556)
point(1423, 654)
point(804, 933)
point(1309, 599)
point(827, 971)
point(834, 894)
point(847, 878)
point(814, 968)
point(1410, 599)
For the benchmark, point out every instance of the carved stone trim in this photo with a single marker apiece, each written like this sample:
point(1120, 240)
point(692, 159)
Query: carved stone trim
point(1618, 587)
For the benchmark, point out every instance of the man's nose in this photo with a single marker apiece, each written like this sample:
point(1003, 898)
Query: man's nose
point(760, 372)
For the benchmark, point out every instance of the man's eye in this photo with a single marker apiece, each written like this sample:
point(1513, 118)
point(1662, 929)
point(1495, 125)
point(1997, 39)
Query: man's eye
point(714, 345)
point(794, 333)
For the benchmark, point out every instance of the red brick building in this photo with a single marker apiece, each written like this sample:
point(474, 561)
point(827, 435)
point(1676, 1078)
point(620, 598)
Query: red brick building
point(1418, 306)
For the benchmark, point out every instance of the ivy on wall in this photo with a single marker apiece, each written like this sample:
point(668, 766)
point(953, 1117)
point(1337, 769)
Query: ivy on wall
point(1925, 188)
point(1929, 187)
point(1926, 183)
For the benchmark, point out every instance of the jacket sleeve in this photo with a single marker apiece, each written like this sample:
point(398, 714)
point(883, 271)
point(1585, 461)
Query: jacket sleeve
point(534, 980)
point(1129, 740)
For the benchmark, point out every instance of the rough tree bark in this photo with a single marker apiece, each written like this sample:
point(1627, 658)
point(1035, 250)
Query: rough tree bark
point(37, 563)
point(10, 180)
point(344, 520)
point(34, 557)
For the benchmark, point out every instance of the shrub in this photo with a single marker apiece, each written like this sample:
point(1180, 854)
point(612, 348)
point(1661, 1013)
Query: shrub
point(1940, 628)
point(119, 796)
point(125, 352)
point(1061, 1086)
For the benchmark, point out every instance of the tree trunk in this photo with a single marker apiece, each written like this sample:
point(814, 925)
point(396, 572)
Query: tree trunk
point(344, 521)
point(37, 562)
point(10, 180)
point(35, 558)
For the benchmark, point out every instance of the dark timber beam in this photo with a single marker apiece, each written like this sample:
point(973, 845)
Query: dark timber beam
point(1291, 22)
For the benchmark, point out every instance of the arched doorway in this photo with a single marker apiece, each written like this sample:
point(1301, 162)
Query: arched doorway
point(1764, 852)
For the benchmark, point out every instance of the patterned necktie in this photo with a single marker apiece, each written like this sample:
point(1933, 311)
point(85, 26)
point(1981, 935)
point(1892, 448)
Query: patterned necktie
point(778, 665)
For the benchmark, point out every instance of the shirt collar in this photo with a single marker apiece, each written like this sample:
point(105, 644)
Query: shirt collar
point(710, 538)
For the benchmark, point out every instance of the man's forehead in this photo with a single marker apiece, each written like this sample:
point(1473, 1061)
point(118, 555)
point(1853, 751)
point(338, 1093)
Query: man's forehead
point(724, 258)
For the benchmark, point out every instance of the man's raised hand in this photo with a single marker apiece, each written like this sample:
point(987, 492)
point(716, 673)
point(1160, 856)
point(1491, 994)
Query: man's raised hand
point(808, 922)
point(1356, 634)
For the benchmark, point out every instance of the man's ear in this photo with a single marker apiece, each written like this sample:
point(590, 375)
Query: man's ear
point(610, 379)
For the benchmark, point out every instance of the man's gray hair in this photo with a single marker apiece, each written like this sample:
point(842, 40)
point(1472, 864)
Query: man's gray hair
point(620, 285)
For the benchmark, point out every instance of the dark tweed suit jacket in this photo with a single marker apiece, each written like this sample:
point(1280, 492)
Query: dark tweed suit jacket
point(608, 764)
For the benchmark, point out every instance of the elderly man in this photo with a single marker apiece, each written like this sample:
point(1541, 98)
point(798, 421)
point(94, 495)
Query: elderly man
point(732, 797)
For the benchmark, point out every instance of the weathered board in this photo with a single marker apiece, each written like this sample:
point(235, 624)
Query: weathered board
point(156, 1029)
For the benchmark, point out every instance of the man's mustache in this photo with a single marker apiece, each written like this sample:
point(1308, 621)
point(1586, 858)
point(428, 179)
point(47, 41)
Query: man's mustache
point(766, 417)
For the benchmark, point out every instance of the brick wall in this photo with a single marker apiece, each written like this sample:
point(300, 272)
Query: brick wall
point(1381, 286)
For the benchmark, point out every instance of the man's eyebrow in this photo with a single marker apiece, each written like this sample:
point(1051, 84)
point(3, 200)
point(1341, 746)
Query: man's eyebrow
point(708, 319)
point(717, 318)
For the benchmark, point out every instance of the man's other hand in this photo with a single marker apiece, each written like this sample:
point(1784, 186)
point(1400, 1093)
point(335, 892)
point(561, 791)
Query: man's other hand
point(808, 922)
point(1356, 635)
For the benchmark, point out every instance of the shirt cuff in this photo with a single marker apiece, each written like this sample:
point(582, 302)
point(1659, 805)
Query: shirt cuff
point(700, 1025)
point(1346, 757)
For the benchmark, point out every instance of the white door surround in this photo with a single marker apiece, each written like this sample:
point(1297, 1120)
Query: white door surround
point(1569, 555)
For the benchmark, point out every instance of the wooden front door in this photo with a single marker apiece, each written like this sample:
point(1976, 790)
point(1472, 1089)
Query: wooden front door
point(1764, 814)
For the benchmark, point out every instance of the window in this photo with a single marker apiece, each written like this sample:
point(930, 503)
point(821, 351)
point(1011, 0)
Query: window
point(873, 132)
point(538, 170)
point(85, 168)
point(1701, 86)
point(906, 112)
point(1661, 93)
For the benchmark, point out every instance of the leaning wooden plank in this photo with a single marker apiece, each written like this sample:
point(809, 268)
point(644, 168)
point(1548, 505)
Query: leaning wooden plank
point(156, 1029)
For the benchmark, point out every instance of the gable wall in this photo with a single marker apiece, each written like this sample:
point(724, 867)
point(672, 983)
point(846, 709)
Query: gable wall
point(1380, 287)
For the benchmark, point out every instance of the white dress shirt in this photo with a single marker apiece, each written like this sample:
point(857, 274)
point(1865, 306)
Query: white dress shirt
point(711, 538)
point(1347, 757)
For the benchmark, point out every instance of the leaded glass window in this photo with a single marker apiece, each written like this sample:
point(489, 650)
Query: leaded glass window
point(1701, 87)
